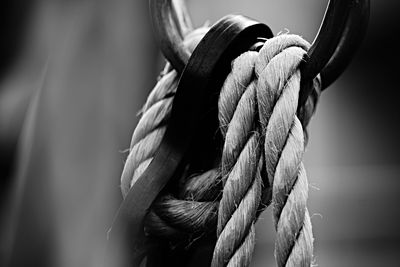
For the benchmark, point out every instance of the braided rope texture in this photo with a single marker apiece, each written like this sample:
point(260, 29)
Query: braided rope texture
point(278, 91)
point(264, 138)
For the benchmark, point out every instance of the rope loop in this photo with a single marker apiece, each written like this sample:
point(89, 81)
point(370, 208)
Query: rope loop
point(264, 137)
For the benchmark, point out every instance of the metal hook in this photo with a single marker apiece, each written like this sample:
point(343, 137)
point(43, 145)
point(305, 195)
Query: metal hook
point(341, 32)
point(344, 22)
point(203, 73)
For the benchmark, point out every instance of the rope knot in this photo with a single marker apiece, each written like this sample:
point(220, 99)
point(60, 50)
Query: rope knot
point(264, 137)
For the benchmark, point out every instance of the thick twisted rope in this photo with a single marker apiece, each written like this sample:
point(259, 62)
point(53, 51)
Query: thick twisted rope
point(276, 91)
point(278, 87)
point(241, 165)
point(152, 125)
point(194, 211)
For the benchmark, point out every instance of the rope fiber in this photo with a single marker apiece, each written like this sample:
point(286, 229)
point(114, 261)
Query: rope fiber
point(264, 137)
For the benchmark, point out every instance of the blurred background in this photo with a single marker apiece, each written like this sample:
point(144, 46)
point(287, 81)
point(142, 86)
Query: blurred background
point(74, 74)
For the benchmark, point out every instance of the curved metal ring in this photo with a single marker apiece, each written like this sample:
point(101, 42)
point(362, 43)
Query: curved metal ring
point(339, 36)
point(341, 32)
point(353, 34)
point(327, 39)
point(171, 23)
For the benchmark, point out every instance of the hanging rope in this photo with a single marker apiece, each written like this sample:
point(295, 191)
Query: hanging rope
point(274, 89)
point(278, 92)
point(264, 139)
point(240, 165)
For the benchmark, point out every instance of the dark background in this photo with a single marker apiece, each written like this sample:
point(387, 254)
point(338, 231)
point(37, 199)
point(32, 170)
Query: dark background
point(73, 75)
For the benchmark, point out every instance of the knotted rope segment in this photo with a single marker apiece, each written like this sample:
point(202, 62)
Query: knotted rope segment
point(264, 134)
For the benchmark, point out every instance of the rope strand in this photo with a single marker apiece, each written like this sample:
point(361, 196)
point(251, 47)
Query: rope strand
point(278, 91)
point(241, 155)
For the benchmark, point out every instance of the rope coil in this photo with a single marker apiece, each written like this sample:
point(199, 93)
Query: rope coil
point(264, 138)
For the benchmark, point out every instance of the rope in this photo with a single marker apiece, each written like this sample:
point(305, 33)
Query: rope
point(261, 159)
point(278, 91)
point(152, 125)
point(240, 165)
